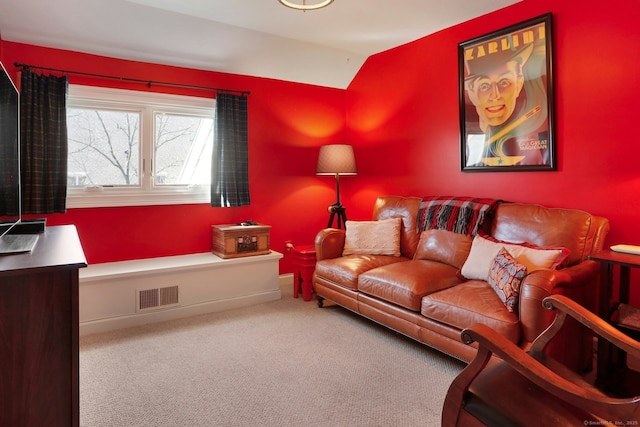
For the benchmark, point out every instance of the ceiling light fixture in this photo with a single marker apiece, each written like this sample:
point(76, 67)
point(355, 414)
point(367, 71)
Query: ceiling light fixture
point(306, 5)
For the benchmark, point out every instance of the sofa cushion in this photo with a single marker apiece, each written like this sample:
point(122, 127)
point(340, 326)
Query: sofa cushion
point(444, 246)
point(405, 283)
point(345, 270)
point(505, 276)
point(484, 250)
point(372, 237)
point(548, 227)
point(468, 303)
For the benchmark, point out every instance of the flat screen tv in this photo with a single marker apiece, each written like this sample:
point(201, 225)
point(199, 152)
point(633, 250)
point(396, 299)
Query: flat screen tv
point(10, 212)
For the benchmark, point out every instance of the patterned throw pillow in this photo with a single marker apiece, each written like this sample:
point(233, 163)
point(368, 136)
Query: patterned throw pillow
point(505, 276)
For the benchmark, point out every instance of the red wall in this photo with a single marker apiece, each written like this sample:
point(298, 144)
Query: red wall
point(402, 114)
point(287, 124)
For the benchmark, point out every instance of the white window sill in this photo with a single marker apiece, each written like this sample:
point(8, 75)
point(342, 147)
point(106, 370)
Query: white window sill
point(93, 198)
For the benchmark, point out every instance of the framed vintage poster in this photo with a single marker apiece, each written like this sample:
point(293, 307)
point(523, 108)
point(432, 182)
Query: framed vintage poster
point(506, 99)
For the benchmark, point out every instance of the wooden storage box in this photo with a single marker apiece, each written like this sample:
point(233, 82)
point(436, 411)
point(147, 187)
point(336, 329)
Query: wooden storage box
point(235, 240)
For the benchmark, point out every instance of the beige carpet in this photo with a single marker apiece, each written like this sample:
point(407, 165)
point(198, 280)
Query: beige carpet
point(282, 363)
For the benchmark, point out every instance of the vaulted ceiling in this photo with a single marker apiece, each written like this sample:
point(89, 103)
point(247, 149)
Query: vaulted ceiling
point(262, 38)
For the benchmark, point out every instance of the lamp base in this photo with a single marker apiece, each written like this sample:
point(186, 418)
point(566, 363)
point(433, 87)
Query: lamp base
point(338, 213)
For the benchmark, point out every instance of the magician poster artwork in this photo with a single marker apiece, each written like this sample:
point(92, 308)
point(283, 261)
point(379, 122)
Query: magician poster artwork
point(505, 99)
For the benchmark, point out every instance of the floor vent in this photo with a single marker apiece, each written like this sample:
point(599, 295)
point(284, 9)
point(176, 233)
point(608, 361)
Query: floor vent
point(153, 299)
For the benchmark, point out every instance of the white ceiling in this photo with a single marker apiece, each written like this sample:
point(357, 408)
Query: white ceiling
point(262, 38)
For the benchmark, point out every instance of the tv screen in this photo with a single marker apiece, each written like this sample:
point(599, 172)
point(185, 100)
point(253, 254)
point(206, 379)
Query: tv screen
point(9, 153)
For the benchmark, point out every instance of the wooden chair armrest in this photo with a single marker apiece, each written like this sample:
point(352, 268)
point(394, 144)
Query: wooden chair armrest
point(566, 306)
point(574, 392)
point(526, 364)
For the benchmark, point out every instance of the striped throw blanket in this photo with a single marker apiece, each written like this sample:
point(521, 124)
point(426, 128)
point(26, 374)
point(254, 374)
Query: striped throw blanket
point(463, 215)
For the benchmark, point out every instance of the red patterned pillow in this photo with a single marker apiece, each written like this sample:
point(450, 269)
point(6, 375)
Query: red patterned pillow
point(505, 276)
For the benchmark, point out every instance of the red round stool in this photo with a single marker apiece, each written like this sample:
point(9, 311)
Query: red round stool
point(304, 263)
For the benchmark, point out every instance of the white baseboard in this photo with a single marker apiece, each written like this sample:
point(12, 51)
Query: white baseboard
point(120, 322)
point(286, 280)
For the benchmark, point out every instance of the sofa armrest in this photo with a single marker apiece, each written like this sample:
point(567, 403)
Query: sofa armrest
point(329, 243)
point(575, 281)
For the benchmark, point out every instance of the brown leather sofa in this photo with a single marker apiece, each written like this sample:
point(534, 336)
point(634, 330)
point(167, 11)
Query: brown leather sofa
point(429, 300)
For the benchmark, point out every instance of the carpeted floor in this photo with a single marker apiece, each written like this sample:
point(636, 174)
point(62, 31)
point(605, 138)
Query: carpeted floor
point(282, 363)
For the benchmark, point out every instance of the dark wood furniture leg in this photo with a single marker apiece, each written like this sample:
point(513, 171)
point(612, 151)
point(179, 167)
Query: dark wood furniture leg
point(604, 300)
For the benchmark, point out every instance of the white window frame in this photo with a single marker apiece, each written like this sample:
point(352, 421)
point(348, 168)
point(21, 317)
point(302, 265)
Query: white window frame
point(148, 104)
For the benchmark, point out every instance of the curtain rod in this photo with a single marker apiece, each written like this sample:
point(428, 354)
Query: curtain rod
point(128, 79)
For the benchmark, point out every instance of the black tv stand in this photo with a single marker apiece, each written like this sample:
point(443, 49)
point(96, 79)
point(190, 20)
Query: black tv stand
point(29, 226)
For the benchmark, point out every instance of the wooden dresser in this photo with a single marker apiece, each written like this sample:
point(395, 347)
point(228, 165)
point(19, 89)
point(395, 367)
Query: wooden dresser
point(39, 349)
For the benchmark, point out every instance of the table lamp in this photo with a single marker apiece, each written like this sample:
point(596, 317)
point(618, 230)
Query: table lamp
point(336, 159)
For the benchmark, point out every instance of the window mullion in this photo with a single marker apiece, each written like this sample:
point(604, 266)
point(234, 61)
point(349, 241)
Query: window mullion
point(147, 148)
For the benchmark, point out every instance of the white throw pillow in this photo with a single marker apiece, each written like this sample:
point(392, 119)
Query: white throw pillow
point(372, 237)
point(484, 250)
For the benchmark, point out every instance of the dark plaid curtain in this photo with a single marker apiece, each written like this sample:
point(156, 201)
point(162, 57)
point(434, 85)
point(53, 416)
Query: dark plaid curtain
point(230, 162)
point(9, 167)
point(43, 142)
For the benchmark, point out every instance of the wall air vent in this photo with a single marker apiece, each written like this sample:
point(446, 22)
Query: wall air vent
point(156, 298)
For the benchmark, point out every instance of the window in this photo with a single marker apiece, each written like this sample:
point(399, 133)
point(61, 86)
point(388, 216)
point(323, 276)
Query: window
point(137, 148)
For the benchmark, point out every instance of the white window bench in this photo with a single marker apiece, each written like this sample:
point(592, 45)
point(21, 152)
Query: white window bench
point(129, 293)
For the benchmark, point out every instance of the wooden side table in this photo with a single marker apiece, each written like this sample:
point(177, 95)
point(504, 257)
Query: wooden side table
point(304, 262)
point(608, 260)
